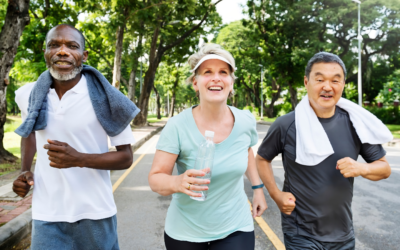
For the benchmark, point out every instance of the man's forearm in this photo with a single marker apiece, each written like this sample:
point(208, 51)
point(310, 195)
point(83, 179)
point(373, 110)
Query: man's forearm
point(28, 151)
point(116, 160)
point(264, 168)
point(376, 170)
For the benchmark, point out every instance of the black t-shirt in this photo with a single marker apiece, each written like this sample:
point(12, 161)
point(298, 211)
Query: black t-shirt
point(323, 195)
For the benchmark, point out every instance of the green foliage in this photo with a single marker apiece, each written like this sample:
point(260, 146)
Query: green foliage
point(390, 91)
point(11, 125)
point(395, 129)
point(281, 35)
point(3, 10)
point(388, 115)
point(282, 109)
point(351, 92)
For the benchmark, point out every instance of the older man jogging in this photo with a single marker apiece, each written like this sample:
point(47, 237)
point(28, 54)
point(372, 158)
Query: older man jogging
point(320, 142)
point(68, 114)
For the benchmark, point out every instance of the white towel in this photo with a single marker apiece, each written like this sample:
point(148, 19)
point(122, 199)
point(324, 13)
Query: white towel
point(312, 143)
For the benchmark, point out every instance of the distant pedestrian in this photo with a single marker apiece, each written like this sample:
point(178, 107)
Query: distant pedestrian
point(224, 220)
point(68, 115)
point(320, 142)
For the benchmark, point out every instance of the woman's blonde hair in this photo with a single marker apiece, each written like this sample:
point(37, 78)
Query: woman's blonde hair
point(207, 49)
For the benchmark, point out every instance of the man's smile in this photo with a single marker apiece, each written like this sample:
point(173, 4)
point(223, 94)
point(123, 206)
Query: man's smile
point(63, 64)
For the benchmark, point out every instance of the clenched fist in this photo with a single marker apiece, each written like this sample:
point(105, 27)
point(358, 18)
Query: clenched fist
point(349, 167)
point(23, 183)
point(285, 201)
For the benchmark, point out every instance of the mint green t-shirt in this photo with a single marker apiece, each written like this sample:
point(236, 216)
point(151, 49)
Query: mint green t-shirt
point(226, 209)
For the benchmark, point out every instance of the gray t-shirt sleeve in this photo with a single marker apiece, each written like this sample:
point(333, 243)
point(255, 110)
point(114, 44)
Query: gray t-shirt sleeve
point(372, 153)
point(272, 144)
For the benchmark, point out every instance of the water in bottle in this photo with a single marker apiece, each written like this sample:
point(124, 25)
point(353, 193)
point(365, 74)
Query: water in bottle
point(204, 162)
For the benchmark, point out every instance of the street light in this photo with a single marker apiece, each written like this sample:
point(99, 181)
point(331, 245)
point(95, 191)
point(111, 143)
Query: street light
point(359, 54)
point(262, 73)
point(168, 102)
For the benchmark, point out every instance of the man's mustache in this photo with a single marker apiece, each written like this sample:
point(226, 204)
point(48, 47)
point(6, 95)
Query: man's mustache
point(326, 93)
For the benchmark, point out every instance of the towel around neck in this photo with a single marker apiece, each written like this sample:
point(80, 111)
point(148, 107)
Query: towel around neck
point(312, 143)
point(113, 109)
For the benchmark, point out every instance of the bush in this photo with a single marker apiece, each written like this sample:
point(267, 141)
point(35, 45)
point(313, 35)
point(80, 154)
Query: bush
point(388, 115)
point(282, 109)
point(253, 110)
point(249, 108)
point(390, 91)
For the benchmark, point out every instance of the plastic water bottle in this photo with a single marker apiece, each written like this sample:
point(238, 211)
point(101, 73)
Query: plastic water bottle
point(204, 162)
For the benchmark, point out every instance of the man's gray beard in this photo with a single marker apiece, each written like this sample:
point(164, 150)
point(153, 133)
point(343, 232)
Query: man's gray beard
point(65, 77)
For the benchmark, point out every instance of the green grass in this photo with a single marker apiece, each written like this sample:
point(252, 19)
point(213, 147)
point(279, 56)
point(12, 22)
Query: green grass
point(12, 143)
point(12, 123)
point(153, 118)
point(10, 167)
point(395, 129)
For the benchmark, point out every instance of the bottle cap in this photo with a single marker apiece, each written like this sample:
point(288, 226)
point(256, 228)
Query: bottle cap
point(209, 134)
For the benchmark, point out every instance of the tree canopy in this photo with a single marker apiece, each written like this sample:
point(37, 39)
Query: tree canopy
point(142, 46)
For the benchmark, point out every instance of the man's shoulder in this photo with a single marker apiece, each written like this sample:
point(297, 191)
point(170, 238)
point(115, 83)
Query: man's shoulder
point(27, 88)
point(341, 111)
point(22, 93)
point(286, 120)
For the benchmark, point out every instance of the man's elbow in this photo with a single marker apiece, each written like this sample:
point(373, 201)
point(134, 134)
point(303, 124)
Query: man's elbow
point(128, 160)
point(388, 172)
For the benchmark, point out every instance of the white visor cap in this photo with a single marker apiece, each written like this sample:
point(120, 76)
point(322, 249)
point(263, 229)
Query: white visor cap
point(209, 57)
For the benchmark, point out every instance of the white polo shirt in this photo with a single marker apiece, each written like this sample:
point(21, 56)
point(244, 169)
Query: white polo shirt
point(75, 193)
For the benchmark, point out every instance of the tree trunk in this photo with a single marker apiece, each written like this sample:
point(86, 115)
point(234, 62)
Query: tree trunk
point(275, 96)
point(132, 76)
point(158, 103)
point(172, 109)
point(155, 55)
point(148, 83)
point(17, 17)
point(118, 52)
point(293, 96)
point(132, 85)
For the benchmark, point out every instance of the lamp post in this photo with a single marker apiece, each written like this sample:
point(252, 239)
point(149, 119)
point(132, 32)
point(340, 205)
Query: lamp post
point(359, 55)
point(261, 92)
point(168, 102)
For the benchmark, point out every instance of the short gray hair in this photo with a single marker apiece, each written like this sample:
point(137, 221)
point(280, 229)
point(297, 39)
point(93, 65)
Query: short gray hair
point(209, 49)
point(324, 57)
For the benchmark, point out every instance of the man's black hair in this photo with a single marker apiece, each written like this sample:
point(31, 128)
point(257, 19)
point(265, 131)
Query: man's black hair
point(324, 57)
point(64, 24)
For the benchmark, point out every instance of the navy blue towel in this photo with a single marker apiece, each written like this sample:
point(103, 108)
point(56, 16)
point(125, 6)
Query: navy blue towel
point(113, 109)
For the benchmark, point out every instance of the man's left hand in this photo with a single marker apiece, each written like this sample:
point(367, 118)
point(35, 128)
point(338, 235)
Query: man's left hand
point(349, 167)
point(61, 155)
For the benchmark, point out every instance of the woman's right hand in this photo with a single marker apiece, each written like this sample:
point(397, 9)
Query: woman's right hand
point(187, 183)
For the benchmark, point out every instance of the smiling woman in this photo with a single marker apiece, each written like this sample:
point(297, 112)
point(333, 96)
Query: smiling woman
point(223, 220)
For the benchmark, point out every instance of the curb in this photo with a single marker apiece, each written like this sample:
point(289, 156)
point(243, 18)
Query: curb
point(15, 230)
point(392, 144)
point(139, 143)
point(264, 123)
point(19, 227)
